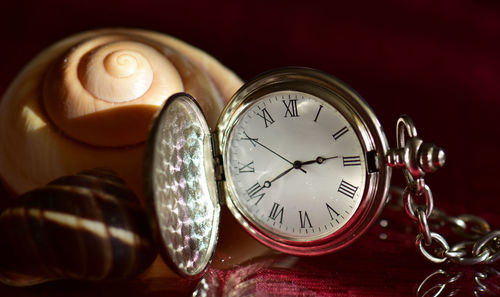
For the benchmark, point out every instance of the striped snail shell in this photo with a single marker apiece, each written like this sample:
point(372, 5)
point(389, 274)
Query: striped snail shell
point(88, 226)
point(88, 100)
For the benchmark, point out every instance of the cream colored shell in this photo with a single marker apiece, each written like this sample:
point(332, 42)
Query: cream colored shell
point(88, 100)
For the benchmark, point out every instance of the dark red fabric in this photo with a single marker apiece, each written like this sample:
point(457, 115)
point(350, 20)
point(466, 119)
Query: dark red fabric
point(438, 61)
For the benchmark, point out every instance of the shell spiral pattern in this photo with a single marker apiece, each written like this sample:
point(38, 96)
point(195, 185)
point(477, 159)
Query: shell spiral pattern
point(88, 101)
point(88, 226)
point(109, 90)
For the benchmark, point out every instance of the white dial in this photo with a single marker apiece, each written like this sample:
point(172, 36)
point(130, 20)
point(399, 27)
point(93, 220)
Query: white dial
point(295, 166)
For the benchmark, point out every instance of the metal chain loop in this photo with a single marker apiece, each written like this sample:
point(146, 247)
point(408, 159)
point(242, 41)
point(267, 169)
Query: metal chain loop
point(409, 199)
point(437, 256)
point(481, 245)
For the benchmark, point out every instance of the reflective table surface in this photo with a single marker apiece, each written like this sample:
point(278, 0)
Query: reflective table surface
point(384, 262)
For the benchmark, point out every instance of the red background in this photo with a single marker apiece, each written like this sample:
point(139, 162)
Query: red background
point(438, 61)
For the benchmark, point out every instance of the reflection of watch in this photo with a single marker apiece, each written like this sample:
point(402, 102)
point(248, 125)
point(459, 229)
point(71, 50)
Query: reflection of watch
point(300, 160)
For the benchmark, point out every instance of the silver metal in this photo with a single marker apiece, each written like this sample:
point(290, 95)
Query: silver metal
point(417, 158)
point(438, 285)
point(355, 110)
point(438, 282)
point(473, 227)
point(483, 287)
point(180, 186)
point(185, 178)
point(424, 227)
point(473, 259)
point(409, 197)
point(431, 257)
point(413, 155)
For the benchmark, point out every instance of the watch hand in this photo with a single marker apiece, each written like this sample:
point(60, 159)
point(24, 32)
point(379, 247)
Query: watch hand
point(296, 165)
point(256, 141)
point(318, 160)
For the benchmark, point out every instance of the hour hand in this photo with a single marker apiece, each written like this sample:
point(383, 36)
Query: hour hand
point(318, 160)
point(296, 165)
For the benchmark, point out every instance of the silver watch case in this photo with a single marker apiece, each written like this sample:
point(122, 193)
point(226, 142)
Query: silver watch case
point(184, 170)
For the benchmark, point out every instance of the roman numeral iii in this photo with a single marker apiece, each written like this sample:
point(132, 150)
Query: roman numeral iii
point(347, 189)
point(351, 161)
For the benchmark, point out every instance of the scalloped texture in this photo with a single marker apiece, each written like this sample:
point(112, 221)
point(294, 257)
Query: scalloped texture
point(43, 136)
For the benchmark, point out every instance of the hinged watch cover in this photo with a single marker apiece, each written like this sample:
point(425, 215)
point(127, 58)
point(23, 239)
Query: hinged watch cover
point(180, 186)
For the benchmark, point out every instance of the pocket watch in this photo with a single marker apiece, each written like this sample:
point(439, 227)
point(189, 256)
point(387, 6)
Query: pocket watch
point(297, 156)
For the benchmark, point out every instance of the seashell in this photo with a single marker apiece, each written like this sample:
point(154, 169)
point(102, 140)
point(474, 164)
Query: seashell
point(88, 226)
point(88, 100)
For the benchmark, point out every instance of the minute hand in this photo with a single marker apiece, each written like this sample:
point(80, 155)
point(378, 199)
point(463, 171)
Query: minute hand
point(256, 140)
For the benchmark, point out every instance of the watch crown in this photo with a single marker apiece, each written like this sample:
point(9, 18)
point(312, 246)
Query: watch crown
point(412, 154)
point(431, 157)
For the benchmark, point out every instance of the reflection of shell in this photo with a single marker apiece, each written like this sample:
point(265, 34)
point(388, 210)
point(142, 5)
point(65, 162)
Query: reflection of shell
point(88, 100)
point(88, 226)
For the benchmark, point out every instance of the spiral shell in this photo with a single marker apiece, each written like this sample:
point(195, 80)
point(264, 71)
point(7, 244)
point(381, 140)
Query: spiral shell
point(88, 226)
point(88, 101)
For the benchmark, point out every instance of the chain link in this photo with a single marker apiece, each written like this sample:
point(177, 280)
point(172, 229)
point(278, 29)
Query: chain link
point(480, 245)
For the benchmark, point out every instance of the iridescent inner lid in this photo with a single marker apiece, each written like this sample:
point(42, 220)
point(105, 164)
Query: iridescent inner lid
point(180, 186)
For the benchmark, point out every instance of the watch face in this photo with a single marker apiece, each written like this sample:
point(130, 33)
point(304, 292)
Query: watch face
point(296, 166)
point(304, 161)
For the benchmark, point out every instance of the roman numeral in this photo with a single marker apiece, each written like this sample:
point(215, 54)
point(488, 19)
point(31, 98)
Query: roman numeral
point(347, 189)
point(317, 114)
point(253, 141)
point(255, 192)
point(267, 117)
point(339, 133)
point(303, 219)
point(291, 108)
point(246, 168)
point(277, 211)
point(330, 210)
point(351, 161)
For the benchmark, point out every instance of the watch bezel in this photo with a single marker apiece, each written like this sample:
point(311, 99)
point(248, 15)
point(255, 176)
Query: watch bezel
point(359, 115)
